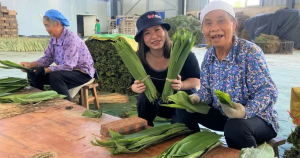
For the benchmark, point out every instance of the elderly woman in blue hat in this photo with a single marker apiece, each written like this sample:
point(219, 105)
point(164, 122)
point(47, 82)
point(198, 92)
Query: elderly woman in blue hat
point(237, 67)
point(74, 64)
point(154, 52)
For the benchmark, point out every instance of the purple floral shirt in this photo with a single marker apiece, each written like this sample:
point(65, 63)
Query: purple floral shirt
point(69, 53)
point(244, 75)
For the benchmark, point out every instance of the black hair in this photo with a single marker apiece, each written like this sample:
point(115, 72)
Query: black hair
point(97, 20)
point(143, 48)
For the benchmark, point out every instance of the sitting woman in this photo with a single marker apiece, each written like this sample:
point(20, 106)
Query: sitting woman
point(74, 63)
point(237, 67)
point(154, 52)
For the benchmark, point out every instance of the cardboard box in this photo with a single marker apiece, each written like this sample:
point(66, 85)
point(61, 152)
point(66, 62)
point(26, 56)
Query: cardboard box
point(4, 24)
point(13, 24)
point(12, 12)
point(4, 9)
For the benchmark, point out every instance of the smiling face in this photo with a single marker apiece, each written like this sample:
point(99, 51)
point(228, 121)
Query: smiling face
point(218, 28)
point(154, 37)
point(52, 27)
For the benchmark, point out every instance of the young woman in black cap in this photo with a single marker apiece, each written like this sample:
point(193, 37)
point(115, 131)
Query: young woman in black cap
point(154, 52)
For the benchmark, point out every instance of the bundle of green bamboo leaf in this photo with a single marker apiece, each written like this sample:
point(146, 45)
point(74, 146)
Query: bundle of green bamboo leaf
point(11, 84)
point(113, 74)
point(182, 100)
point(11, 65)
point(135, 67)
point(92, 114)
point(23, 44)
point(182, 44)
point(193, 146)
point(31, 97)
point(263, 151)
point(224, 98)
point(135, 142)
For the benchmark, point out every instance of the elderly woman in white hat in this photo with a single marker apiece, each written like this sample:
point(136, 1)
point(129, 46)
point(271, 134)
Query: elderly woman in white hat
point(237, 67)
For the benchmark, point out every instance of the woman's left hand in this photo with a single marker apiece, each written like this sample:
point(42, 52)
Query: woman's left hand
point(239, 110)
point(177, 84)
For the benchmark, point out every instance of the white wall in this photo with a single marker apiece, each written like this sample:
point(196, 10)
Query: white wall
point(30, 21)
point(169, 6)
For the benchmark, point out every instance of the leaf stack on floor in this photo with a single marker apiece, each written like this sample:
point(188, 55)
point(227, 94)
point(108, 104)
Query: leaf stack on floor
point(182, 100)
point(182, 44)
point(135, 142)
point(193, 146)
point(23, 44)
point(31, 97)
point(113, 74)
point(11, 84)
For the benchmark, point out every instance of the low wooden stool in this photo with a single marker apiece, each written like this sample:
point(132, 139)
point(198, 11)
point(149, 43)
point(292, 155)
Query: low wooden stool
point(84, 99)
point(275, 142)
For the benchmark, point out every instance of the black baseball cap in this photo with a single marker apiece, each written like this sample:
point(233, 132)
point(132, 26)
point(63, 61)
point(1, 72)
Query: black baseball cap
point(149, 19)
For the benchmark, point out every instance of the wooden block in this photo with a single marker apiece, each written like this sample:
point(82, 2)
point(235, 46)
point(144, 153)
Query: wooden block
point(2, 27)
point(15, 35)
point(14, 27)
point(15, 30)
point(2, 32)
point(12, 12)
point(2, 18)
point(5, 36)
point(12, 16)
point(6, 15)
point(9, 27)
point(124, 126)
point(9, 32)
point(2, 21)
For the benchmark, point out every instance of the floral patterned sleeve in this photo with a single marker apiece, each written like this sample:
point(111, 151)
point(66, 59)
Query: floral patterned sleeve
point(70, 58)
point(47, 59)
point(204, 92)
point(262, 89)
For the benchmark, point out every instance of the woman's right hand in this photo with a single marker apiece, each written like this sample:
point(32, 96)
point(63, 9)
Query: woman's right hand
point(138, 87)
point(25, 64)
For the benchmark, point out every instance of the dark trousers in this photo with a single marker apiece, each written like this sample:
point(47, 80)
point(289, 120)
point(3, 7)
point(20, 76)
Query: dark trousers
point(239, 133)
point(59, 81)
point(149, 111)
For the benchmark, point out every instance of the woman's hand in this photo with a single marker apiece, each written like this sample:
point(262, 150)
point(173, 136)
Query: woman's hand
point(239, 110)
point(177, 84)
point(25, 64)
point(138, 87)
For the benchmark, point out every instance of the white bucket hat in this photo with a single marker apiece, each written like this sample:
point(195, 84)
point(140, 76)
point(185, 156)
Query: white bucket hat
point(215, 5)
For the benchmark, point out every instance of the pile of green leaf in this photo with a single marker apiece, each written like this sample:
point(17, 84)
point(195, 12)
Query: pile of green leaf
point(182, 100)
point(193, 146)
point(92, 114)
point(23, 44)
point(11, 84)
point(135, 142)
point(31, 97)
point(11, 65)
point(188, 22)
point(263, 151)
point(113, 74)
point(270, 44)
point(294, 138)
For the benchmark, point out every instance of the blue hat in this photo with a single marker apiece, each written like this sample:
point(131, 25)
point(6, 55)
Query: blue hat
point(149, 19)
point(57, 16)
